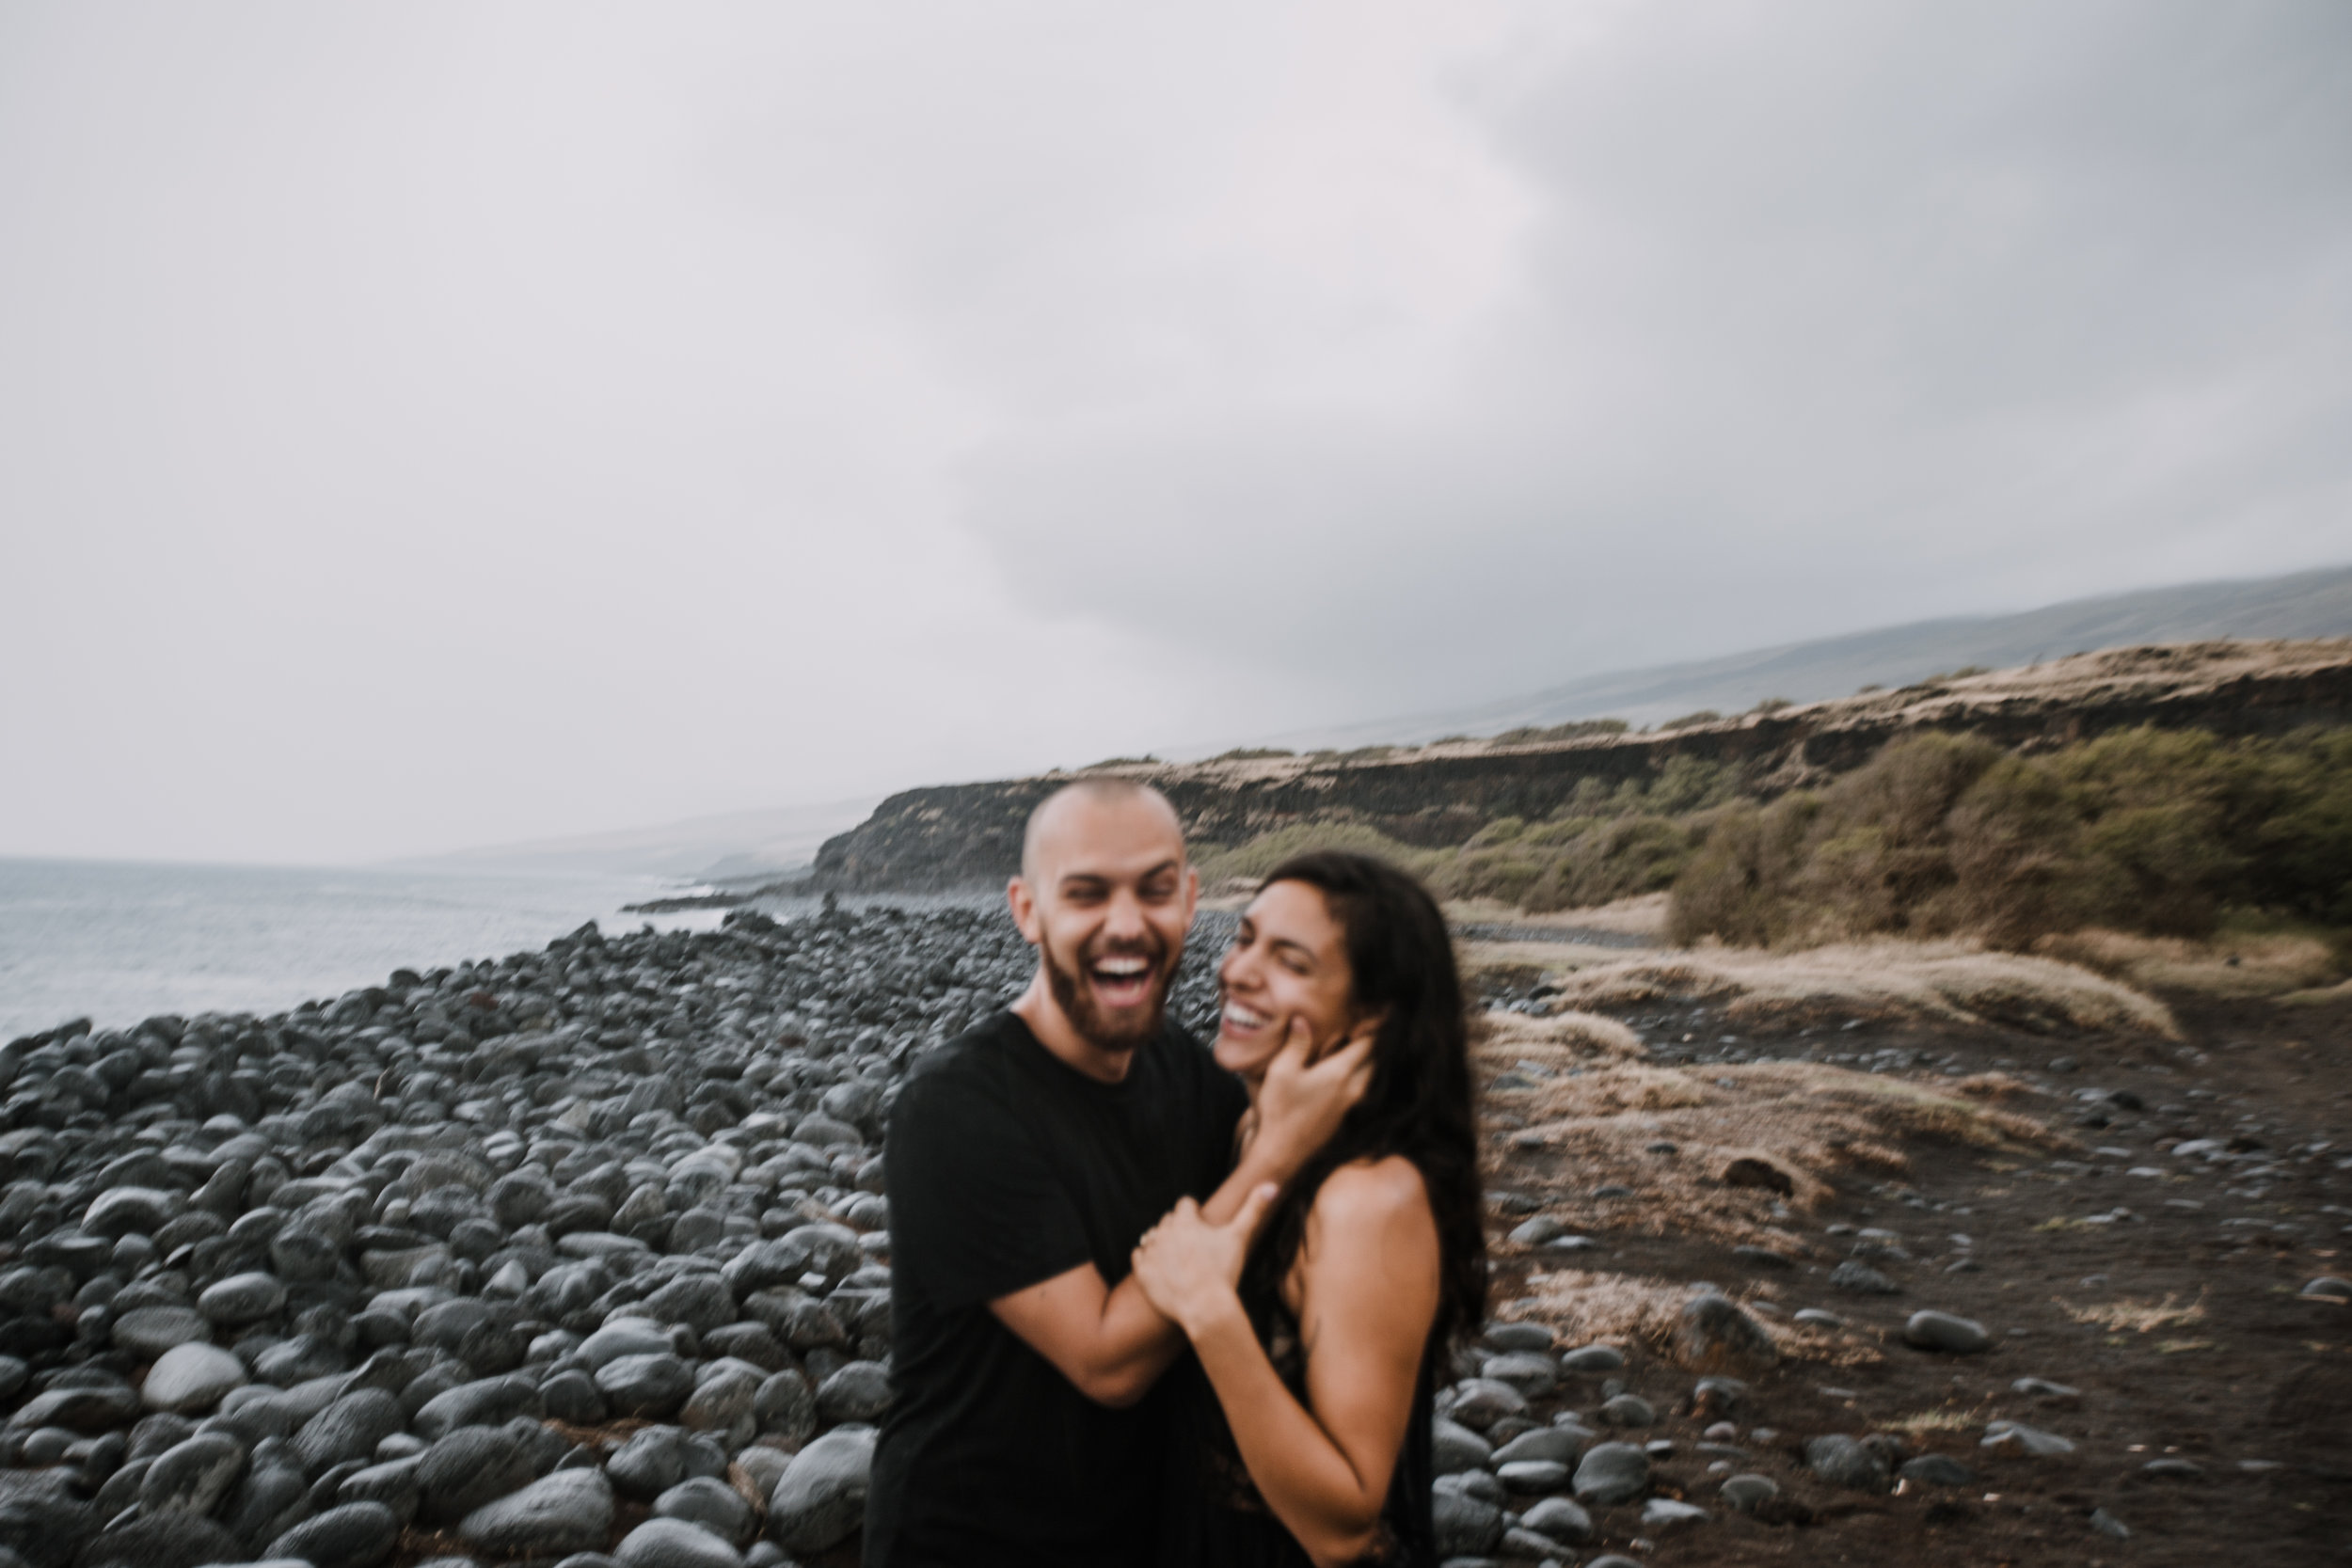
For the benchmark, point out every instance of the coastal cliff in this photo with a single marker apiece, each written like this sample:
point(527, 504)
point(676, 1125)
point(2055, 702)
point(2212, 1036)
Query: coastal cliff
point(952, 837)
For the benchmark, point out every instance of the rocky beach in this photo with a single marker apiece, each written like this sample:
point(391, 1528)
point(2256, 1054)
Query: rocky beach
point(581, 1257)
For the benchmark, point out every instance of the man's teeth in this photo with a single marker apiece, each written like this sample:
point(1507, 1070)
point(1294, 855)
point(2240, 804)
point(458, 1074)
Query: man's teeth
point(1122, 968)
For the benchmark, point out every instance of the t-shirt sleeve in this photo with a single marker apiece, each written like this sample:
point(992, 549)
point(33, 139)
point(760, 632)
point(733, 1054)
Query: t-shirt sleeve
point(975, 1208)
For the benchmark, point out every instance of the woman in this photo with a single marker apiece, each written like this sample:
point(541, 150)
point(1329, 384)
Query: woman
point(1320, 1345)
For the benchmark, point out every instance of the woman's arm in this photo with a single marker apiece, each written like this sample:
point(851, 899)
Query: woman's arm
point(1107, 1339)
point(1368, 1276)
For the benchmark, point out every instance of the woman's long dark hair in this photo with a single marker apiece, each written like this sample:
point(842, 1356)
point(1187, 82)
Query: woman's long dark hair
point(1419, 1103)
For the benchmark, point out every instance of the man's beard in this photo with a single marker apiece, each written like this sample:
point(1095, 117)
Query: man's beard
point(1074, 994)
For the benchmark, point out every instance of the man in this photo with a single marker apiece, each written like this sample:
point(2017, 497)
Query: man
point(1025, 1160)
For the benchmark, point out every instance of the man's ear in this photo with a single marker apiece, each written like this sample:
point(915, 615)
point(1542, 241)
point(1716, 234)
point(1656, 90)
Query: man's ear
point(1024, 906)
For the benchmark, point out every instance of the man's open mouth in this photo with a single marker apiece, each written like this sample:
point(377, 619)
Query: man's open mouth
point(1121, 980)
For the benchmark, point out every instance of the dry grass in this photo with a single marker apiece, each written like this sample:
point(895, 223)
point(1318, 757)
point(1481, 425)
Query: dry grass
point(1559, 1039)
point(2137, 1317)
point(1588, 1306)
point(1949, 981)
point(2271, 964)
point(1737, 1133)
point(1934, 1420)
point(1642, 916)
point(1548, 958)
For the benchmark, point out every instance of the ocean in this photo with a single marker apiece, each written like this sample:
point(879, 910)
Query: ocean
point(116, 941)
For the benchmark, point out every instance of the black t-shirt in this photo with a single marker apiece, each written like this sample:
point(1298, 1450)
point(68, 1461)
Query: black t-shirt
point(1008, 1167)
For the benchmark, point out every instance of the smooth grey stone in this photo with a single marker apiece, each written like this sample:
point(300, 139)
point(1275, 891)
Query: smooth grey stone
point(192, 1476)
point(1861, 1279)
point(1561, 1520)
point(303, 1254)
point(147, 1332)
point(1593, 1359)
point(653, 1460)
point(165, 1541)
point(1526, 1338)
point(1611, 1473)
point(485, 1402)
point(711, 1503)
point(674, 1544)
point(1743, 1492)
point(723, 1405)
point(2109, 1526)
point(1559, 1444)
point(348, 1429)
point(1842, 1462)
point(786, 1408)
point(1480, 1402)
point(471, 1467)
point(2044, 1391)
point(1937, 1469)
point(764, 1466)
point(2017, 1437)
point(241, 1298)
point(125, 1209)
point(1814, 1317)
point(357, 1535)
point(1536, 1232)
point(572, 1397)
point(1483, 1484)
point(391, 1483)
point(188, 1380)
point(860, 1391)
point(700, 1300)
point(822, 1497)
point(1455, 1448)
point(2329, 1287)
point(2173, 1469)
point(1666, 1512)
point(649, 1387)
point(1465, 1525)
point(1628, 1410)
point(1942, 1331)
point(1532, 1374)
point(570, 1510)
point(1531, 1475)
point(1714, 1333)
point(625, 1337)
point(89, 1409)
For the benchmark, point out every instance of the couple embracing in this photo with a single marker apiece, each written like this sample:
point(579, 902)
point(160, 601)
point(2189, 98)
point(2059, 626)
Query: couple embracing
point(1160, 1304)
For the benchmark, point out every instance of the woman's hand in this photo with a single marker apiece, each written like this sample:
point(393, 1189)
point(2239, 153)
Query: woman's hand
point(1189, 1269)
point(1308, 1091)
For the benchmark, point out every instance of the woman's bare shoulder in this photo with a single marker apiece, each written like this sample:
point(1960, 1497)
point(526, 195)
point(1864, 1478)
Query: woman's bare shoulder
point(1365, 1194)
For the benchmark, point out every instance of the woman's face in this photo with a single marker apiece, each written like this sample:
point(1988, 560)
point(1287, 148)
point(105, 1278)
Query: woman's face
point(1288, 961)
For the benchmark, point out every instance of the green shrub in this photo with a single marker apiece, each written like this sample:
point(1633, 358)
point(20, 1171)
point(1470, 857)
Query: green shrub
point(2145, 830)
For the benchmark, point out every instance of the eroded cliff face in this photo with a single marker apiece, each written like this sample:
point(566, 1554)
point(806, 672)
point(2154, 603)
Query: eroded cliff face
point(952, 837)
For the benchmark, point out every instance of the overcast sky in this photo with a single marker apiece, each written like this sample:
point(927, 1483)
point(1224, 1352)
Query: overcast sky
point(429, 424)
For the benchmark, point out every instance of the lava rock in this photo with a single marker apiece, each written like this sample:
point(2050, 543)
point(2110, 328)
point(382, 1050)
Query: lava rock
point(570, 1510)
point(189, 1380)
point(1561, 1520)
point(357, 1535)
point(1843, 1462)
point(1862, 1280)
point(822, 1497)
point(1942, 1331)
point(674, 1544)
point(1611, 1473)
point(1937, 1469)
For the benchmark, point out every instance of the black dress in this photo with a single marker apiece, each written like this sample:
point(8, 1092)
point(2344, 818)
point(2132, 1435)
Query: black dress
point(1214, 1517)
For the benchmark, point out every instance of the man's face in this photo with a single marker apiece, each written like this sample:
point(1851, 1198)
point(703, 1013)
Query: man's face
point(1107, 903)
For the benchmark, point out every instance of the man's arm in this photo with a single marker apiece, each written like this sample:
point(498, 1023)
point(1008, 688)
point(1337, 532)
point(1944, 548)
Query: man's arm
point(1109, 1341)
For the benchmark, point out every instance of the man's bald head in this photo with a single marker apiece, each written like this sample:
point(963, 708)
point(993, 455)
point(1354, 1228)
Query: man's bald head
point(1067, 814)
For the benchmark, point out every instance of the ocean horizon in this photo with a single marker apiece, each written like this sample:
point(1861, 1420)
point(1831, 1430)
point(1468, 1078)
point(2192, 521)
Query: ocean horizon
point(120, 941)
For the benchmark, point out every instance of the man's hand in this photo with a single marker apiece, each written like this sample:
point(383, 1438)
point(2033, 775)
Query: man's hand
point(1189, 1268)
point(1304, 1098)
